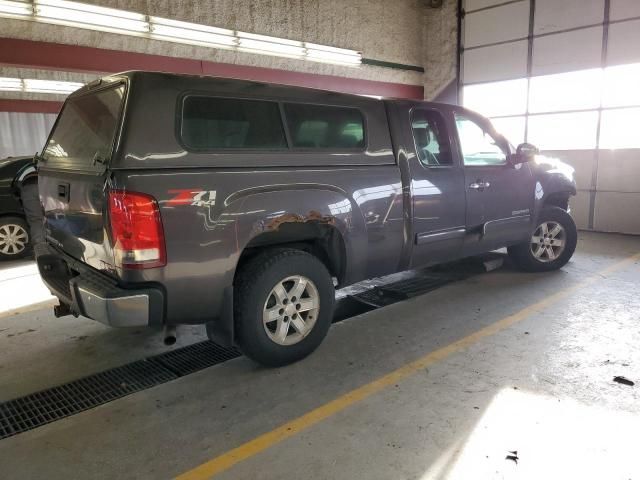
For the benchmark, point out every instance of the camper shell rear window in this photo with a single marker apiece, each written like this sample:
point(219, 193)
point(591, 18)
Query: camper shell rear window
point(84, 133)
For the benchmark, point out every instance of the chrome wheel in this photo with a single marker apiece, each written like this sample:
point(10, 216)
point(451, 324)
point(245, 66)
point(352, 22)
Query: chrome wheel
point(291, 310)
point(548, 242)
point(14, 239)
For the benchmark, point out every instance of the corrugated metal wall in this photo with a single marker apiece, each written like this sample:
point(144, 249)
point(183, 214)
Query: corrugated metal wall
point(23, 133)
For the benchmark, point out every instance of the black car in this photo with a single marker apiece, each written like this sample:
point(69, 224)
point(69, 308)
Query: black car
point(14, 232)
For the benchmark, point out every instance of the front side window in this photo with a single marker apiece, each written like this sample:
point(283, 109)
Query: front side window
point(210, 123)
point(479, 148)
point(324, 127)
point(431, 139)
point(84, 134)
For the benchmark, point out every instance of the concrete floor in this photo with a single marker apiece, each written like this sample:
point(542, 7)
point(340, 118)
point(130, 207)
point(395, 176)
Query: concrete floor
point(539, 383)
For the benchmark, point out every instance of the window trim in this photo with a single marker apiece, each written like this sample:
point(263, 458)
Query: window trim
point(479, 121)
point(365, 137)
point(415, 145)
point(189, 148)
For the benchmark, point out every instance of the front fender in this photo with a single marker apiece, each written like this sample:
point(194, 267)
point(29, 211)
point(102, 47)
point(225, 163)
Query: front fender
point(553, 178)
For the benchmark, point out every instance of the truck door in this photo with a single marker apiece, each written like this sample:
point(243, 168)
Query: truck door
point(499, 195)
point(437, 188)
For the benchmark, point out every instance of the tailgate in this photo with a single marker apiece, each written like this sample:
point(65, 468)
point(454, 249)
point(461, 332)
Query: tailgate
point(73, 172)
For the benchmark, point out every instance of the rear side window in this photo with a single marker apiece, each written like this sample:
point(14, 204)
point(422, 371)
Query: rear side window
point(431, 139)
point(84, 133)
point(227, 123)
point(319, 126)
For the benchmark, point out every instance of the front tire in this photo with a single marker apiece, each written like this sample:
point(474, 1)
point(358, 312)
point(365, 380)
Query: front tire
point(551, 245)
point(283, 306)
point(14, 238)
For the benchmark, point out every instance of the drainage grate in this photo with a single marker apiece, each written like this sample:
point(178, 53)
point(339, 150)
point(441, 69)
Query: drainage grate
point(37, 409)
point(192, 358)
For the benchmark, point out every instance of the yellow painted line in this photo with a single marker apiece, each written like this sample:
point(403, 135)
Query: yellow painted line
point(267, 440)
point(29, 308)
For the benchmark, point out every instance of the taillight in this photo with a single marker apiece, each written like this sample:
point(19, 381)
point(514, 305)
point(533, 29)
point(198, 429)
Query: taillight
point(136, 228)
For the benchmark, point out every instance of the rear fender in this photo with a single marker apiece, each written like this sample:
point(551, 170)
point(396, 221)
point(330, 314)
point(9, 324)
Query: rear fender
point(267, 215)
point(262, 216)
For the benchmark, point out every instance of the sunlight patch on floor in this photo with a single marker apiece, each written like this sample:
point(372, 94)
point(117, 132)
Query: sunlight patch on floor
point(21, 287)
point(553, 437)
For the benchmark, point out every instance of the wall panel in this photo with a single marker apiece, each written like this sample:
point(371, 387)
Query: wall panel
point(567, 52)
point(512, 18)
point(470, 5)
point(554, 15)
point(500, 62)
point(619, 171)
point(624, 43)
point(617, 212)
point(621, 9)
point(580, 209)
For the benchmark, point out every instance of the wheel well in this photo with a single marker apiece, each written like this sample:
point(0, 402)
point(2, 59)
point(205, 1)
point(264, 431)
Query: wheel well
point(321, 240)
point(560, 200)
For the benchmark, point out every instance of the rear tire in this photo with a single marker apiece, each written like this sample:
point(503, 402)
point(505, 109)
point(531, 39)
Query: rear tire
point(551, 245)
point(14, 238)
point(283, 306)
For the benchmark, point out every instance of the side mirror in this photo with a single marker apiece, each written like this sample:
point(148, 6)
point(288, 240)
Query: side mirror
point(524, 153)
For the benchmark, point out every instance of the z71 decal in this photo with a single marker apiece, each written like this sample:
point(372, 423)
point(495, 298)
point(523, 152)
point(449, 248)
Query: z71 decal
point(198, 198)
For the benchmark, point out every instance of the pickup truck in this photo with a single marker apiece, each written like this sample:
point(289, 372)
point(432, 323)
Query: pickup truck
point(174, 199)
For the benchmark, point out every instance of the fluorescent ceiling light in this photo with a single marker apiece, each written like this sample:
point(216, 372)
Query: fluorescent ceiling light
point(63, 12)
point(30, 85)
point(324, 53)
point(51, 86)
point(10, 84)
point(15, 9)
point(270, 45)
point(92, 17)
point(185, 32)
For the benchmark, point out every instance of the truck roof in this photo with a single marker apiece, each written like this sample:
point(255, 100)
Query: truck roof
point(190, 80)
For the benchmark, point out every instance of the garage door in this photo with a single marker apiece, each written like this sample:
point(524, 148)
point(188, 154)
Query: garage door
point(564, 75)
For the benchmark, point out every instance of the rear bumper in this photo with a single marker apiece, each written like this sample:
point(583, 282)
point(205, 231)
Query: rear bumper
point(97, 296)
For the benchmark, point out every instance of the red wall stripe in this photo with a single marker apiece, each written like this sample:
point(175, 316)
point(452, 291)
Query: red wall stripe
point(55, 56)
point(29, 106)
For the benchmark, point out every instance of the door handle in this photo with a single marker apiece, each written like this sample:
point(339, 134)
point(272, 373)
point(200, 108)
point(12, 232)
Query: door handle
point(479, 185)
point(63, 191)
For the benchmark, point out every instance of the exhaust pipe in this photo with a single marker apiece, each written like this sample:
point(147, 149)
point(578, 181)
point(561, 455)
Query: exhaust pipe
point(63, 310)
point(170, 335)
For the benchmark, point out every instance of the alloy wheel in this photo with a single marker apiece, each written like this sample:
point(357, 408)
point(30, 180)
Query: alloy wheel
point(548, 242)
point(291, 310)
point(14, 239)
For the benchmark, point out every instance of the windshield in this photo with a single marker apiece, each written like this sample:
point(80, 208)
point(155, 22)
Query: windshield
point(83, 135)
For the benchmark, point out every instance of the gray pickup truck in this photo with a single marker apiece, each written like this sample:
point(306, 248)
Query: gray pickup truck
point(173, 199)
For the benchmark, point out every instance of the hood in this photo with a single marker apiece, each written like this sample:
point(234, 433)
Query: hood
point(13, 168)
point(554, 166)
point(12, 160)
